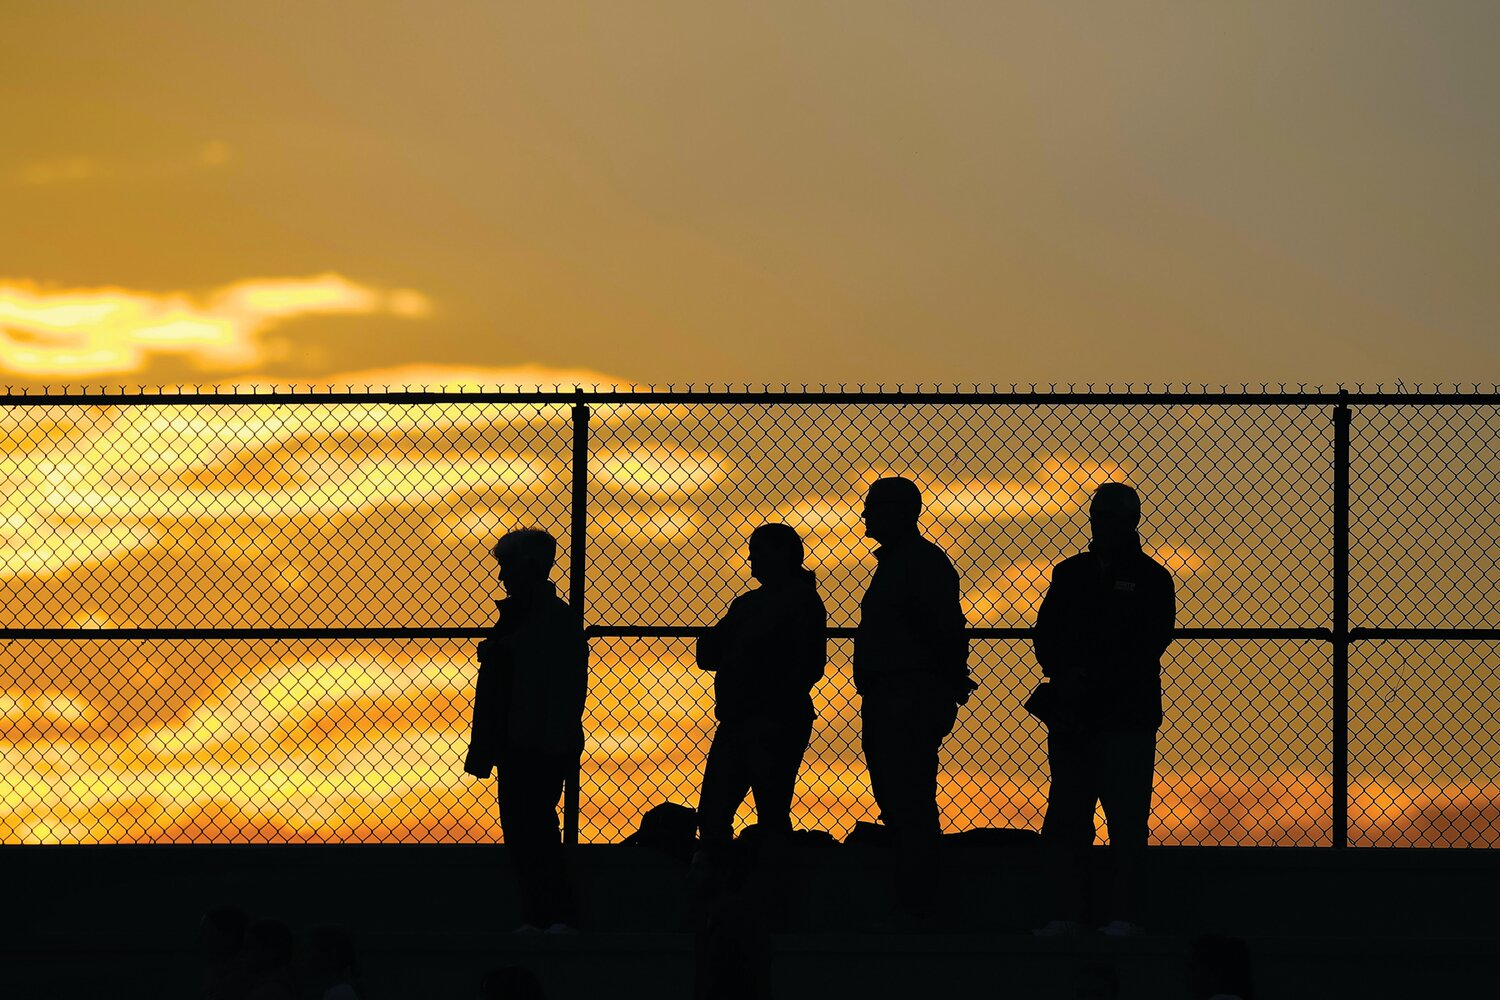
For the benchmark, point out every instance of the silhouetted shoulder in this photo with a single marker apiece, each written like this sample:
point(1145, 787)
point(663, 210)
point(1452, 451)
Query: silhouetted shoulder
point(1156, 569)
point(562, 612)
point(1077, 563)
point(931, 555)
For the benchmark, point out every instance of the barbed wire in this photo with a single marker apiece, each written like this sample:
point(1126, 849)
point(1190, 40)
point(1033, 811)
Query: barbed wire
point(740, 390)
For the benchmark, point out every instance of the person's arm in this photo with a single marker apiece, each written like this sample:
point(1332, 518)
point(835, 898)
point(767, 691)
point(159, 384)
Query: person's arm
point(578, 693)
point(713, 644)
point(812, 643)
point(1048, 637)
point(480, 760)
point(1164, 616)
point(938, 617)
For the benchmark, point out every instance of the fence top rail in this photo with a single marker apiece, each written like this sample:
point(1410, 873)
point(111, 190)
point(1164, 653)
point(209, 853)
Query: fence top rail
point(785, 393)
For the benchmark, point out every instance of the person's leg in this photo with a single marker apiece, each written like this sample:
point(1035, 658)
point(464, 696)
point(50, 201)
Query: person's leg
point(530, 785)
point(559, 904)
point(1126, 771)
point(774, 756)
point(516, 790)
point(775, 759)
point(1068, 828)
point(905, 721)
point(911, 718)
point(726, 782)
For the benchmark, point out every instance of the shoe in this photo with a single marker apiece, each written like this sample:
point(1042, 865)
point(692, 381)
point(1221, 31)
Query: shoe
point(1061, 928)
point(527, 929)
point(560, 928)
point(1122, 928)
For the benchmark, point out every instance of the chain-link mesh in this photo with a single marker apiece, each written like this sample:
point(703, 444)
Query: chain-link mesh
point(221, 515)
point(224, 740)
point(1237, 502)
point(1424, 761)
point(1424, 514)
point(370, 514)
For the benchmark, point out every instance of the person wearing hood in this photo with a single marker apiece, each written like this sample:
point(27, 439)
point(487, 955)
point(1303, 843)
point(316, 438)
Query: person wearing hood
point(528, 721)
point(1100, 634)
point(766, 654)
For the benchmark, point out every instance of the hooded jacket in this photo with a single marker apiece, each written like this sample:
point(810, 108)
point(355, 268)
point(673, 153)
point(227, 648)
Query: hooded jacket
point(768, 651)
point(533, 680)
point(1100, 634)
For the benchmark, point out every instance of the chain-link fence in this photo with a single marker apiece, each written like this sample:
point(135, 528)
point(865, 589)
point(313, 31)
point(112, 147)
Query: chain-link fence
point(251, 617)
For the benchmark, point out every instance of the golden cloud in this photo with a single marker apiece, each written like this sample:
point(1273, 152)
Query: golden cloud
point(84, 332)
point(56, 170)
point(1062, 485)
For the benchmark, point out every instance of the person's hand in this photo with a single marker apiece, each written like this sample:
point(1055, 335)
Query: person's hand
point(965, 688)
point(476, 770)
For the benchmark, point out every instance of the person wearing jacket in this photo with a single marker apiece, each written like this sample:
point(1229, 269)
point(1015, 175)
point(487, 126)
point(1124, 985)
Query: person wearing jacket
point(766, 654)
point(528, 720)
point(911, 669)
point(1102, 628)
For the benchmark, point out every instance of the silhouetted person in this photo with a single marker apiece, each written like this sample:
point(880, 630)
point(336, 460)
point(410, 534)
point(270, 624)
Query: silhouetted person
point(911, 671)
point(528, 721)
point(1219, 969)
point(221, 940)
point(1100, 634)
point(767, 653)
point(330, 971)
point(511, 982)
point(269, 947)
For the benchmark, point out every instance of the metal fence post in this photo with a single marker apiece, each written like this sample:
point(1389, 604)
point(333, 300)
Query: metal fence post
point(577, 557)
point(1341, 621)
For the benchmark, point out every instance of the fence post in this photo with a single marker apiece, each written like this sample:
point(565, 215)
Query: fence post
point(1341, 621)
point(577, 556)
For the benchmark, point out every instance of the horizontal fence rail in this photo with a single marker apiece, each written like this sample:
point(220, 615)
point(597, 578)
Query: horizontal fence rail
point(249, 616)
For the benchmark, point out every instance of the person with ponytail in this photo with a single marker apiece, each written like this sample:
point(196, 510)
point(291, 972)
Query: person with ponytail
point(766, 654)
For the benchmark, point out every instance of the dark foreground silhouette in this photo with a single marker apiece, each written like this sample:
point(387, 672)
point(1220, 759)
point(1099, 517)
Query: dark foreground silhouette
point(528, 721)
point(1100, 634)
point(912, 673)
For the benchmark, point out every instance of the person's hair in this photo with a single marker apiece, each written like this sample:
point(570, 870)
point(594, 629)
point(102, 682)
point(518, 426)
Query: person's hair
point(334, 943)
point(899, 492)
point(781, 537)
point(1121, 502)
point(529, 547)
point(511, 982)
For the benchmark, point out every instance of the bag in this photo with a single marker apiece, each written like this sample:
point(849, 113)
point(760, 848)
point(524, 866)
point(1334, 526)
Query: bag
point(669, 828)
point(1043, 703)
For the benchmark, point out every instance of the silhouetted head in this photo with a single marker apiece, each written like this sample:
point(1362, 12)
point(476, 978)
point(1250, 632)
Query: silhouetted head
point(510, 982)
point(526, 557)
point(891, 508)
point(268, 945)
point(222, 931)
point(330, 952)
point(775, 552)
point(1219, 964)
point(1114, 513)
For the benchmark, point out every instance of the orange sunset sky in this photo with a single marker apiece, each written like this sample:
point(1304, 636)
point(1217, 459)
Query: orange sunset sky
point(468, 193)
